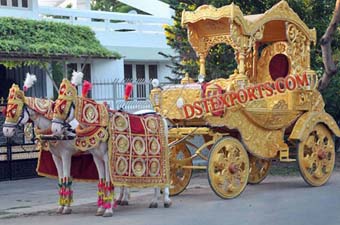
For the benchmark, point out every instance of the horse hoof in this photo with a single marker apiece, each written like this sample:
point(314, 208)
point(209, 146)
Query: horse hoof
point(167, 204)
point(124, 203)
point(108, 214)
point(100, 212)
point(119, 202)
point(67, 210)
point(153, 205)
point(60, 209)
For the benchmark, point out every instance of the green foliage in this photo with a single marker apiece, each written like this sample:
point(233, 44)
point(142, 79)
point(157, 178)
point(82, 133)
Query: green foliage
point(49, 39)
point(57, 71)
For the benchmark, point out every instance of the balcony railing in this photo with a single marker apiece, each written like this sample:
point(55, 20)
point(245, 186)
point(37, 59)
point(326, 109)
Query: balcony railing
point(111, 28)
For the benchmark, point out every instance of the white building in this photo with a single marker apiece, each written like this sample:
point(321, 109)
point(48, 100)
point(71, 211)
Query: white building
point(138, 38)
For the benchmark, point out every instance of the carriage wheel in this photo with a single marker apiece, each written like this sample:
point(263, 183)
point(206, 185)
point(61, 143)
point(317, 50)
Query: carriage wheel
point(180, 177)
point(228, 168)
point(316, 156)
point(259, 169)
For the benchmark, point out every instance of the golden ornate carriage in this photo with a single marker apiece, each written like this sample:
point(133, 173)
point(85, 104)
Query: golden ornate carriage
point(269, 104)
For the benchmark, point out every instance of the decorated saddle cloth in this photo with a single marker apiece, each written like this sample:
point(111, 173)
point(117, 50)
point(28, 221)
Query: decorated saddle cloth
point(42, 106)
point(138, 150)
point(93, 121)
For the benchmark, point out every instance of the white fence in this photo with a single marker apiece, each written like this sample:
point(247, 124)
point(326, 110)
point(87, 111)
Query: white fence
point(112, 29)
point(112, 92)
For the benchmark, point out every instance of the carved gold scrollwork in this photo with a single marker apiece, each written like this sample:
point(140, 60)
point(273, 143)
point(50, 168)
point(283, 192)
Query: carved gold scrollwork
point(297, 48)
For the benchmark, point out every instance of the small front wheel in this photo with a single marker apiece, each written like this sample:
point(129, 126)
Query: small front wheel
point(228, 168)
point(180, 171)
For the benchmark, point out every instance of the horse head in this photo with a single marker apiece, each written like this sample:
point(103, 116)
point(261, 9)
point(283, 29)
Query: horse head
point(16, 112)
point(64, 107)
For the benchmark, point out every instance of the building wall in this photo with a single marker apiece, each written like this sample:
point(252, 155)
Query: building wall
point(107, 69)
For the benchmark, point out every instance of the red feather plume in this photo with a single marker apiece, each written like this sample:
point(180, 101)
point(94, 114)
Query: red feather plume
point(86, 88)
point(128, 90)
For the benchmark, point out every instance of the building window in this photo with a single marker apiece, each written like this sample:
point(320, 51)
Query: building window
point(140, 75)
point(25, 3)
point(153, 72)
point(128, 72)
point(4, 2)
point(15, 3)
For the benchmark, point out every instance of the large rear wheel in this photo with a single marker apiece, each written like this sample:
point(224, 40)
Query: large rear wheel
point(228, 168)
point(316, 156)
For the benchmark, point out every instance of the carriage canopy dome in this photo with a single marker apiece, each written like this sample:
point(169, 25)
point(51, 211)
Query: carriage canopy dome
point(208, 21)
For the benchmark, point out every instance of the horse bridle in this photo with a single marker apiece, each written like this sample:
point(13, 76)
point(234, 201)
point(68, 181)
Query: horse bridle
point(21, 117)
point(63, 123)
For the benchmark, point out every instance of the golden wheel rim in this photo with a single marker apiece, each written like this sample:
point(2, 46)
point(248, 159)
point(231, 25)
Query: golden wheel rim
point(228, 168)
point(316, 156)
point(259, 169)
point(179, 176)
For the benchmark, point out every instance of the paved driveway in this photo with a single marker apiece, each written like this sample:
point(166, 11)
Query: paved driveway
point(278, 200)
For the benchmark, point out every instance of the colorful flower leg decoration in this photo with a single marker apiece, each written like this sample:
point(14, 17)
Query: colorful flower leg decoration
point(101, 193)
point(65, 192)
point(108, 195)
point(61, 192)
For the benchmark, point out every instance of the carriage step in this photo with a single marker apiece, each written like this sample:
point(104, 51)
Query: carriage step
point(287, 160)
point(284, 156)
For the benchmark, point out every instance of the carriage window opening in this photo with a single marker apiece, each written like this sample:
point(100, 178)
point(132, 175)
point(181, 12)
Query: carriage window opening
point(279, 66)
point(3, 2)
point(220, 62)
point(128, 72)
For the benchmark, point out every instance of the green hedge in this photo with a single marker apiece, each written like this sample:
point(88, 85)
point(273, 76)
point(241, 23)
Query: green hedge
point(49, 38)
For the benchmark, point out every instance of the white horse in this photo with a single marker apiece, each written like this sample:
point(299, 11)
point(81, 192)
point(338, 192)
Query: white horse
point(100, 152)
point(20, 110)
point(63, 115)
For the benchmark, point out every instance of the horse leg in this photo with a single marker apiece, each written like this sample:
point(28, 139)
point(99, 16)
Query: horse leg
point(167, 200)
point(101, 185)
point(155, 198)
point(68, 193)
point(109, 189)
point(121, 194)
point(126, 197)
point(59, 166)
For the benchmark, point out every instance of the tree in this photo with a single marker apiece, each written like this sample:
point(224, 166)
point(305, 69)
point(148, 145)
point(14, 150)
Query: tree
point(331, 68)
